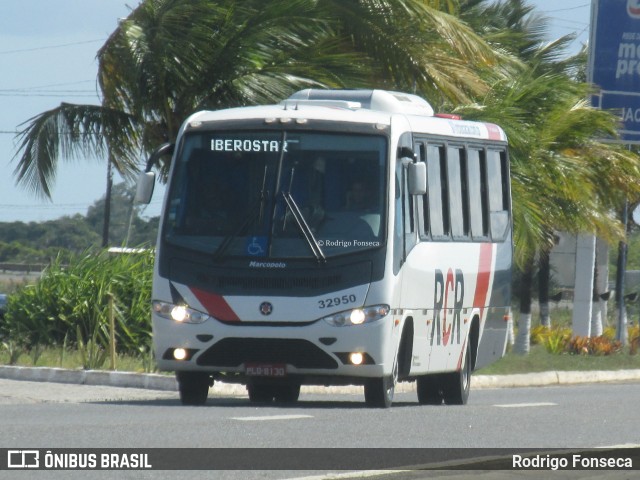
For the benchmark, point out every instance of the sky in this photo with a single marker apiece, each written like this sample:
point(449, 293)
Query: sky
point(48, 56)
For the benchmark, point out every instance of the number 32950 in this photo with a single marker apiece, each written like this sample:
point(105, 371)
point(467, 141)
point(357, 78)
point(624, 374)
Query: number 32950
point(336, 301)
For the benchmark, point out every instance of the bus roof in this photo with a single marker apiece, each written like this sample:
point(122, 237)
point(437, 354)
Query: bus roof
point(378, 107)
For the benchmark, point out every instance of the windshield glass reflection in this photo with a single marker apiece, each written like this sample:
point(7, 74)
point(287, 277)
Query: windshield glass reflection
point(237, 193)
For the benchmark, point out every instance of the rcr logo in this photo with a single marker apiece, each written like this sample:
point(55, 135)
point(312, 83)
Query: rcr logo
point(448, 293)
point(23, 459)
point(633, 8)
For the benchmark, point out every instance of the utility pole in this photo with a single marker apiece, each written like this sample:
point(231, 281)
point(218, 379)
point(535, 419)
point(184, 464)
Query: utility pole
point(621, 335)
point(107, 204)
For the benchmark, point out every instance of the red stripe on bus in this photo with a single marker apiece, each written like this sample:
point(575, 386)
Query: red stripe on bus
point(493, 131)
point(215, 305)
point(459, 367)
point(484, 275)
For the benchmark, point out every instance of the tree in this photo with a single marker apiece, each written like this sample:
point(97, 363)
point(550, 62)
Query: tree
point(73, 131)
point(555, 148)
point(127, 228)
point(169, 58)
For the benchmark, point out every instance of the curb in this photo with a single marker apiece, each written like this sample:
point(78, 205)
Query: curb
point(89, 377)
point(168, 383)
point(544, 379)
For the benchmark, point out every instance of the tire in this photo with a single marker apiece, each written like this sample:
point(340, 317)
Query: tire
point(193, 387)
point(378, 392)
point(288, 393)
point(429, 389)
point(457, 384)
point(260, 393)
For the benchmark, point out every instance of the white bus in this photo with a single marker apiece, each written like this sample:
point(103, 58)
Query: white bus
point(346, 237)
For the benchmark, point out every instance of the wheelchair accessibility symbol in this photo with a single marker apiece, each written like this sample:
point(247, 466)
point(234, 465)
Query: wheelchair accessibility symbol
point(256, 246)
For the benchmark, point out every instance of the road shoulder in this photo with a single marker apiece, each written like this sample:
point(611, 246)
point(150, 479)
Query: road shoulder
point(168, 383)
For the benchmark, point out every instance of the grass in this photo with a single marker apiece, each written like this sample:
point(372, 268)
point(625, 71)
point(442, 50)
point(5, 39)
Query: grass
point(72, 359)
point(539, 360)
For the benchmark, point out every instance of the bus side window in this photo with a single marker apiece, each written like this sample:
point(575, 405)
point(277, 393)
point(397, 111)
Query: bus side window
point(423, 206)
point(436, 197)
point(498, 199)
point(457, 183)
point(477, 194)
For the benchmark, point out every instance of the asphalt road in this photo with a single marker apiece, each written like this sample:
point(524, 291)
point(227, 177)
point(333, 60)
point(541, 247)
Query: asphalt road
point(53, 416)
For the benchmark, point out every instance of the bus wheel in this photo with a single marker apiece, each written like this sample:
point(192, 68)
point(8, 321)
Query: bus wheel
point(193, 387)
point(378, 392)
point(288, 393)
point(457, 384)
point(429, 389)
point(260, 393)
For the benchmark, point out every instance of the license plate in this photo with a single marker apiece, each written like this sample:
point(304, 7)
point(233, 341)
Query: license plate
point(265, 370)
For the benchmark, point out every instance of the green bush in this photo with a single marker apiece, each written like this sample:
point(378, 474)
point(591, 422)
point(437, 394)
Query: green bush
point(71, 302)
point(557, 339)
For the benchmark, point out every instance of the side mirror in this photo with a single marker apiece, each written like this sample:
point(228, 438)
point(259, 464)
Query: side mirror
point(147, 179)
point(144, 190)
point(417, 178)
point(161, 151)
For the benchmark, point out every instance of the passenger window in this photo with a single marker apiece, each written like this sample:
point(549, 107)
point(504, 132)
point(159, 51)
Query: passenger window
point(498, 200)
point(456, 179)
point(436, 197)
point(477, 197)
point(423, 206)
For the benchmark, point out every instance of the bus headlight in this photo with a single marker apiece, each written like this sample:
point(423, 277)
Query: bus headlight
point(357, 316)
point(178, 313)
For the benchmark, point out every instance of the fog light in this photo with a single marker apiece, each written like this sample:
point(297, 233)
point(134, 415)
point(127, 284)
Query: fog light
point(356, 358)
point(179, 354)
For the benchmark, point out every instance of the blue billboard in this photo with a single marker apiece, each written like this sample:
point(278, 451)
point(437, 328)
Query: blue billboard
point(615, 61)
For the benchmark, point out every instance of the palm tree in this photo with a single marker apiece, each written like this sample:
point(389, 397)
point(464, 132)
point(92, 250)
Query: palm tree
point(161, 64)
point(554, 148)
point(74, 131)
point(416, 45)
point(171, 57)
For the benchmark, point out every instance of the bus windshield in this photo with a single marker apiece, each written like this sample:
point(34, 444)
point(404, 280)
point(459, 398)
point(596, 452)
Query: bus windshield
point(278, 194)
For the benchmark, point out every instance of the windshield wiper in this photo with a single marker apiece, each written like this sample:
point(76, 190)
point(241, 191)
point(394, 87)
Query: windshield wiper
point(304, 227)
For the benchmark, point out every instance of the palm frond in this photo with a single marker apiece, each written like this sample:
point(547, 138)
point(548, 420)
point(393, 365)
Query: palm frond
point(71, 132)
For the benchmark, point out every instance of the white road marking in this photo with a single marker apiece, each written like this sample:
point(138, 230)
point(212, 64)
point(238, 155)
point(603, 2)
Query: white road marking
point(349, 475)
point(271, 417)
point(621, 446)
point(526, 405)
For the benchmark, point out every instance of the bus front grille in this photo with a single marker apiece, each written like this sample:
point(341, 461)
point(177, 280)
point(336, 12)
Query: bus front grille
point(233, 352)
point(278, 283)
